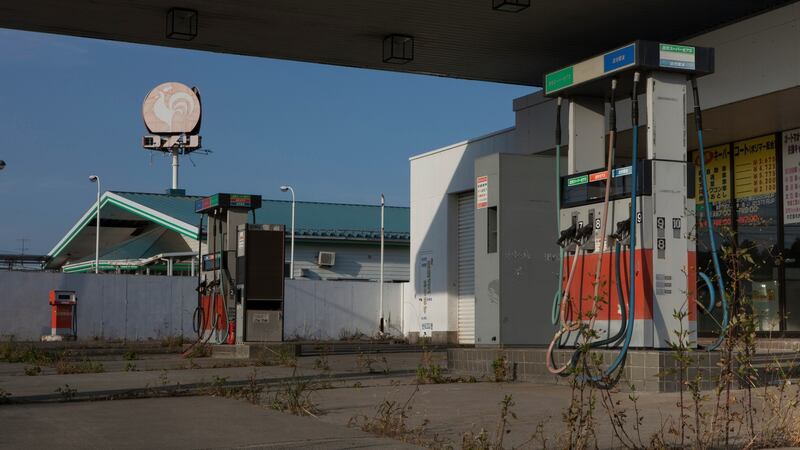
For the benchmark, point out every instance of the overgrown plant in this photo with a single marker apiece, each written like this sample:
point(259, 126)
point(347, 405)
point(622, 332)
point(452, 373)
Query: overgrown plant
point(502, 369)
point(428, 370)
point(295, 396)
point(483, 440)
point(391, 420)
point(67, 393)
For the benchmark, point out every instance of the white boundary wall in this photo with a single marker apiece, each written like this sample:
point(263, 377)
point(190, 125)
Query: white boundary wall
point(135, 307)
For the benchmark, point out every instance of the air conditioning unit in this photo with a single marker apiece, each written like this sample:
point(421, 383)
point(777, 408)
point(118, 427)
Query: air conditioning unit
point(326, 259)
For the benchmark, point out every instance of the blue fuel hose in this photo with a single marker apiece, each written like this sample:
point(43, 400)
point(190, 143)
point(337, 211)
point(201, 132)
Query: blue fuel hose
point(698, 120)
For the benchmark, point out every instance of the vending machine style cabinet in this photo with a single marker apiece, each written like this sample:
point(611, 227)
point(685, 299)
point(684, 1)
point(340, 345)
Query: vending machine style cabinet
point(63, 318)
point(259, 279)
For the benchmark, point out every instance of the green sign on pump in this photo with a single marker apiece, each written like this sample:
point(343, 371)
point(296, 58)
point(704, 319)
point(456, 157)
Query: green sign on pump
point(583, 179)
point(558, 79)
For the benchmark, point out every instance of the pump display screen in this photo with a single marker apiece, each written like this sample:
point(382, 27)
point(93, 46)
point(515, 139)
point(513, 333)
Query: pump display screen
point(590, 187)
point(226, 201)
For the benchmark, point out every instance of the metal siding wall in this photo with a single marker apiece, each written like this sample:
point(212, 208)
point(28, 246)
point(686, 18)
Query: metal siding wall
point(318, 309)
point(352, 261)
point(136, 307)
point(466, 268)
point(109, 306)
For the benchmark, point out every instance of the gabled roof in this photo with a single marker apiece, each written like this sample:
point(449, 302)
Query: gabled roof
point(313, 220)
point(337, 220)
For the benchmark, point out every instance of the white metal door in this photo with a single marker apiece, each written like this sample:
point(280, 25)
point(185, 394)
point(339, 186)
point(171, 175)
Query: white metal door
point(466, 268)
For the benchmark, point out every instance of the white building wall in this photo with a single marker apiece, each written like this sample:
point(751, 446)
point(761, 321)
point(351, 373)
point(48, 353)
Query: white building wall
point(353, 261)
point(754, 57)
point(436, 178)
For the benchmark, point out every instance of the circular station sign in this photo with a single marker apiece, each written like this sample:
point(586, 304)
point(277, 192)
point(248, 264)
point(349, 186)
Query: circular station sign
point(171, 108)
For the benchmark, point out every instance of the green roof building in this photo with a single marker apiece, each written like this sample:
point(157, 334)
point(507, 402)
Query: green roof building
point(149, 233)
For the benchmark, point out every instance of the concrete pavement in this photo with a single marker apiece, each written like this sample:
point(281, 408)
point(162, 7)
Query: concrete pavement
point(23, 388)
point(173, 423)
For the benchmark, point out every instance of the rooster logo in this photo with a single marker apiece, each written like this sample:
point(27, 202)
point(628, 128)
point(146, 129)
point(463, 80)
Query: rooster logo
point(171, 108)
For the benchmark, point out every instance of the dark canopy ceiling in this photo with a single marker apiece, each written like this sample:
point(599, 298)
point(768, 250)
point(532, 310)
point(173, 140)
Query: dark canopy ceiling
point(456, 38)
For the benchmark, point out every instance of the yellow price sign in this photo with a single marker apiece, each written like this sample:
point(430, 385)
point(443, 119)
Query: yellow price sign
point(754, 166)
point(718, 174)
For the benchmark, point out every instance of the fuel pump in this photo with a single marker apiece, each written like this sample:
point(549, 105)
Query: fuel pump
point(625, 285)
point(63, 315)
point(218, 303)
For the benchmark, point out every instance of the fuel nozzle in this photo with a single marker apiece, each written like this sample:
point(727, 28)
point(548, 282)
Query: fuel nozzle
point(623, 230)
point(584, 232)
point(567, 236)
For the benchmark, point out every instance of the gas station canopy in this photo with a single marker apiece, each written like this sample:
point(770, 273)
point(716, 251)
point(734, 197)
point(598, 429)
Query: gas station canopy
point(454, 38)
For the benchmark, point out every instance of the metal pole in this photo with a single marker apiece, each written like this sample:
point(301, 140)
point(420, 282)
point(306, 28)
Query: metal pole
point(291, 257)
point(285, 188)
point(383, 203)
point(175, 163)
point(97, 232)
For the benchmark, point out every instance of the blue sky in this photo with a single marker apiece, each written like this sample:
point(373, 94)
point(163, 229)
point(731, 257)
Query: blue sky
point(71, 107)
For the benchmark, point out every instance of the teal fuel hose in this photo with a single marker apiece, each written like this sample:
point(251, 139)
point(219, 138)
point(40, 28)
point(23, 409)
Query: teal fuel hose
point(601, 381)
point(557, 297)
point(698, 120)
point(711, 295)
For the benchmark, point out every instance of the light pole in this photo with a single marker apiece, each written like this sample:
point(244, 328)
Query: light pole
point(383, 204)
point(96, 179)
point(285, 188)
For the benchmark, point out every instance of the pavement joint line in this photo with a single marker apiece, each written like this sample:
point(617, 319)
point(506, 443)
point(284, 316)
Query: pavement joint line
point(189, 389)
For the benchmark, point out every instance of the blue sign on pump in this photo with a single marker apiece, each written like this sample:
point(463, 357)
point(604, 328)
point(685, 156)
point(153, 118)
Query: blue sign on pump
point(619, 58)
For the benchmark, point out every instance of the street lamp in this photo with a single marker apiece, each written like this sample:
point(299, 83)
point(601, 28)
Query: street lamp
point(96, 179)
point(383, 204)
point(285, 188)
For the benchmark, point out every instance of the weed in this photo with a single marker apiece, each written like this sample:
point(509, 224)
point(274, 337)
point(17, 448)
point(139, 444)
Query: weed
point(14, 352)
point(391, 420)
point(64, 367)
point(483, 440)
point(502, 369)
point(283, 355)
point(67, 393)
point(173, 341)
point(428, 370)
point(365, 362)
point(163, 377)
point(5, 396)
point(130, 367)
point(130, 355)
point(321, 363)
point(199, 351)
point(351, 335)
point(33, 370)
point(294, 396)
point(251, 391)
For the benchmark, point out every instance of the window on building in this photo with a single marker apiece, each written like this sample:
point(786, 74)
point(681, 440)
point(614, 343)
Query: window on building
point(491, 229)
point(755, 173)
point(790, 184)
